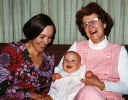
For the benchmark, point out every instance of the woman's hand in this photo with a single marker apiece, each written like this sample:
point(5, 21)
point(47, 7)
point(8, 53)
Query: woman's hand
point(36, 96)
point(46, 97)
point(92, 79)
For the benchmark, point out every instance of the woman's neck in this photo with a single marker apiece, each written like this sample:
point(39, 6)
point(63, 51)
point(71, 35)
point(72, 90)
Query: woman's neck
point(99, 45)
point(32, 50)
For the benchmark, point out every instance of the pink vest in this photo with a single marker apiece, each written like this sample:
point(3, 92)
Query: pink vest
point(103, 63)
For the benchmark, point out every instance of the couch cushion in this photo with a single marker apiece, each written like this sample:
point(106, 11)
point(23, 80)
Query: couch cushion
point(58, 51)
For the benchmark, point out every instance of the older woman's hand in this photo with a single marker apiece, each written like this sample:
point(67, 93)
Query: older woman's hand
point(92, 79)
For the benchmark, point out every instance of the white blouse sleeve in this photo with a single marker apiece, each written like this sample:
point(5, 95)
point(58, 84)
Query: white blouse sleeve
point(122, 85)
point(59, 67)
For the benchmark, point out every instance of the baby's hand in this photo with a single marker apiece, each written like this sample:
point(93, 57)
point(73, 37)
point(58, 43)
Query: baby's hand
point(56, 76)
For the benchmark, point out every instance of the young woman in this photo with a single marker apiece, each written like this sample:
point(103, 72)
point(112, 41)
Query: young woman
point(26, 68)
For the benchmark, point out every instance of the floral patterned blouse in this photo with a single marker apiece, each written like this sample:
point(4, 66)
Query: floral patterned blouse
point(18, 75)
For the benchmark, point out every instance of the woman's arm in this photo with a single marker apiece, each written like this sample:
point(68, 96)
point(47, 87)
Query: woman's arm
point(4, 63)
point(92, 79)
point(122, 85)
point(6, 78)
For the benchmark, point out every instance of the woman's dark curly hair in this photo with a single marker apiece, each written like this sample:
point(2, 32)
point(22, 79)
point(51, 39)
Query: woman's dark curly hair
point(94, 8)
point(34, 26)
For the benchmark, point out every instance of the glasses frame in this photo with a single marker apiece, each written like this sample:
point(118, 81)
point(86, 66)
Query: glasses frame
point(90, 22)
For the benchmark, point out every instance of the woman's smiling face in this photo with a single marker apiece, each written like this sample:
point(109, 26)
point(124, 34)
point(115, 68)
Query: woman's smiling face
point(43, 39)
point(94, 28)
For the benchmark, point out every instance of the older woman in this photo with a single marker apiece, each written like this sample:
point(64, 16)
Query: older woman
point(107, 61)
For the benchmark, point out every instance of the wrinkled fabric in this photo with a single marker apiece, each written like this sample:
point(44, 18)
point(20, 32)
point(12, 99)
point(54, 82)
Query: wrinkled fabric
point(90, 93)
point(68, 86)
point(22, 76)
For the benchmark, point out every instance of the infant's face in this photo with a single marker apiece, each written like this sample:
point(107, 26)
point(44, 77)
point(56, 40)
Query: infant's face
point(71, 62)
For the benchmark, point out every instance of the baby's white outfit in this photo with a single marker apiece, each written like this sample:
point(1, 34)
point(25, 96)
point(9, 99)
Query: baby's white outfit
point(68, 86)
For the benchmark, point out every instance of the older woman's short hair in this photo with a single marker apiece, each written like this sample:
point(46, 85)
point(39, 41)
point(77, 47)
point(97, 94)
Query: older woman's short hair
point(94, 8)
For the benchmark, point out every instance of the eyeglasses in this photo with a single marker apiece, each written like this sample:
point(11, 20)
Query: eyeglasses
point(91, 22)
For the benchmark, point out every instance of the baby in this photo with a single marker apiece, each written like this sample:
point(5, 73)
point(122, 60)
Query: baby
point(67, 82)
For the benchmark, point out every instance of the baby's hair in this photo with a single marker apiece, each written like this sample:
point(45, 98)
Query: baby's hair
point(73, 53)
